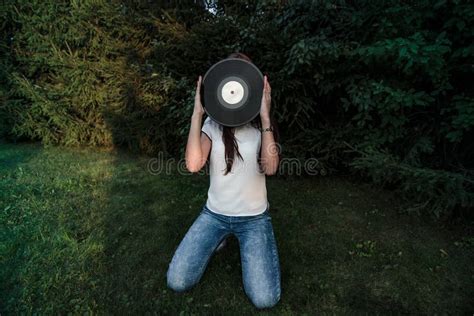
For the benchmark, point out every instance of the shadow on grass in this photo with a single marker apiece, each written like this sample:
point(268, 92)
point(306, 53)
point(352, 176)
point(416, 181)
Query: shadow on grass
point(13, 168)
point(12, 155)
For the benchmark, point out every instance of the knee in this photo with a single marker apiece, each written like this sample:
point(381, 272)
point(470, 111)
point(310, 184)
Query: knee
point(176, 281)
point(265, 300)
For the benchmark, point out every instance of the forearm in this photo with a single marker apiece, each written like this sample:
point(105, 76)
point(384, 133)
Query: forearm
point(193, 146)
point(269, 152)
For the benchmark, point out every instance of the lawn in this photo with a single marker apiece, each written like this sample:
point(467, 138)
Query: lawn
point(86, 230)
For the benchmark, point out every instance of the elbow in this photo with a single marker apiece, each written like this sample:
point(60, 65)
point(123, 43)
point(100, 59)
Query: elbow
point(270, 171)
point(193, 167)
point(271, 168)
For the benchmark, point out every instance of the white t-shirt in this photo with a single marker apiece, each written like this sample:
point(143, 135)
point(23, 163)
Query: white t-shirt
point(242, 192)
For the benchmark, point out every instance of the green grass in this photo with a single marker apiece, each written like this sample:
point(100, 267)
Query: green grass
point(84, 230)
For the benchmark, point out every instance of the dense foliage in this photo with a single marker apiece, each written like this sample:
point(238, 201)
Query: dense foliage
point(382, 88)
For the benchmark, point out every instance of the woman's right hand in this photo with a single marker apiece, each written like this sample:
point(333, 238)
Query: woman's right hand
point(198, 108)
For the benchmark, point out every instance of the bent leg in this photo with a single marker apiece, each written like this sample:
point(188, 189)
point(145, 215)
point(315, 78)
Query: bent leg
point(194, 251)
point(260, 263)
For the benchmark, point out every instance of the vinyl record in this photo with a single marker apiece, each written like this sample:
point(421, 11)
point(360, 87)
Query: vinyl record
point(232, 91)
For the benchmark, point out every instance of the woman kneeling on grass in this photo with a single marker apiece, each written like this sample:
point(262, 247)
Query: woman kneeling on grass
point(237, 201)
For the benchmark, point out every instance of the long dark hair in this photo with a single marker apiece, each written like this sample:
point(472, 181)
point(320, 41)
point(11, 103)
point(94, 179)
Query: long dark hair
point(230, 143)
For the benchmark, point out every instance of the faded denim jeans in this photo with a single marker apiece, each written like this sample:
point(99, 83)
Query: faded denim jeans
point(258, 253)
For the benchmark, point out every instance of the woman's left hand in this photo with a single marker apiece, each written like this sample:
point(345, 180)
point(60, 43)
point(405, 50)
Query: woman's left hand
point(266, 100)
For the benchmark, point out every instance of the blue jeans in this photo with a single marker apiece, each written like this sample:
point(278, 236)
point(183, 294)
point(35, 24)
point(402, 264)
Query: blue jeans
point(258, 253)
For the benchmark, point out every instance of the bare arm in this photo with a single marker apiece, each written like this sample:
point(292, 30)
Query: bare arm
point(198, 145)
point(269, 151)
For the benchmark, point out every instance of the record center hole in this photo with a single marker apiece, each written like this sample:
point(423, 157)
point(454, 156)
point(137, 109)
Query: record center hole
point(232, 92)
